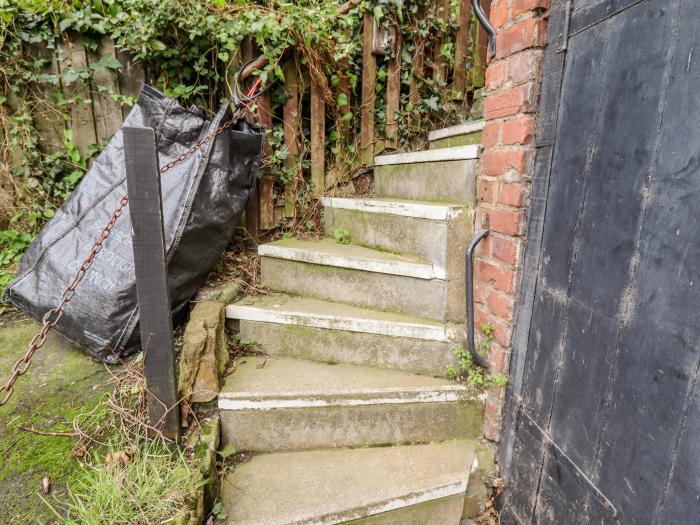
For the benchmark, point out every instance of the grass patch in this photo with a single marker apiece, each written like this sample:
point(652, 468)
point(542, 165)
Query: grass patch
point(150, 484)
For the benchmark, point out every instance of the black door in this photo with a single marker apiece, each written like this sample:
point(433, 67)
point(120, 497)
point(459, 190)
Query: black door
point(603, 423)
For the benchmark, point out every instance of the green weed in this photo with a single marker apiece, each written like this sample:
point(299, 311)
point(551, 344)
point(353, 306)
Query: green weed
point(468, 371)
point(342, 236)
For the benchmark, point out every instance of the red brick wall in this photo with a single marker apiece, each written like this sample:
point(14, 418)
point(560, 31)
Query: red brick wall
point(506, 167)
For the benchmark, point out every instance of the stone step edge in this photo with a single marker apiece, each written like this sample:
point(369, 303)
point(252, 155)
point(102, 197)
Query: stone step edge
point(387, 327)
point(445, 490)
point(350, 398)
point(406, 268)
point(433, 155)
point(453, 131)
point(402, 208)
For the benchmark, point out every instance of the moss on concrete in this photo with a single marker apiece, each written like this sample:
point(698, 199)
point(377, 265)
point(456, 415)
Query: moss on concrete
point(61, 384)
point(466, 139)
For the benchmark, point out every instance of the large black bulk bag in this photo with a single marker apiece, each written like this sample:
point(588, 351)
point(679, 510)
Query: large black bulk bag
point(203, 198)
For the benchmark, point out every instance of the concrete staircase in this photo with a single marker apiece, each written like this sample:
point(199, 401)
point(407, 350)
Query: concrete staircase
point(348, 417)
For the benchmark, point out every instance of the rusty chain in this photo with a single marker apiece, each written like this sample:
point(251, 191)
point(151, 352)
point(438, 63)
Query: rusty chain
point(52, 316)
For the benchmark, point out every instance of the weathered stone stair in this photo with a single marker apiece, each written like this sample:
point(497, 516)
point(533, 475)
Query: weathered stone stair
point(347, 417)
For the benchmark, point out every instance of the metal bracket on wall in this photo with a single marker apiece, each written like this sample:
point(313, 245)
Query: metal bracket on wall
point(469, 271)
point(483, 19)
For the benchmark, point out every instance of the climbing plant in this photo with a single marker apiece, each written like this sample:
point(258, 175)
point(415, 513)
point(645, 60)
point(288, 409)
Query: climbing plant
point(190, 49)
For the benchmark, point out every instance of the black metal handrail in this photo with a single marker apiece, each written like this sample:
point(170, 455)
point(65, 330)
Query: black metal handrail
point(469, 271)
point(483, 19)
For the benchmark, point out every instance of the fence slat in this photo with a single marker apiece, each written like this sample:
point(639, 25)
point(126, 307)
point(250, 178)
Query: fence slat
point(131, 77)
point(267, 202)
point(459, 83)
point(292, 123)
point(48, 119)
point(440, 66)
point(393, 95)
point(106, 111)
point(318, 141)
point(479, 72)
point(81, 120)
point(369, 79)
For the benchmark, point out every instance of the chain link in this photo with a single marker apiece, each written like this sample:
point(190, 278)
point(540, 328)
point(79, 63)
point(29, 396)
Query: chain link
point(52, 316)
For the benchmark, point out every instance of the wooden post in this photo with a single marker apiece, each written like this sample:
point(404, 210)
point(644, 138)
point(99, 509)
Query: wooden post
point(318, 141)
point(292, 122)
point(393, 95)
point(459, 83)
point(146, 210)
point(369, 80)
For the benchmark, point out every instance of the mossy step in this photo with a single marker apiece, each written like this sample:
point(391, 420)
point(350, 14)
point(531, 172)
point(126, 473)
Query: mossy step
point(271, 403)
point(327, 331)
point(411, 485)
point(431, 231)
point(466, 134)
point(328, 252)
point(360, 276)
point(447, 181)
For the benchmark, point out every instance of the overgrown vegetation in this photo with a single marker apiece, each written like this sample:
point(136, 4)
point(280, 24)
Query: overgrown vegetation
point(190, 48)
point(471, 373)
point(149, 486)
point(130, 473)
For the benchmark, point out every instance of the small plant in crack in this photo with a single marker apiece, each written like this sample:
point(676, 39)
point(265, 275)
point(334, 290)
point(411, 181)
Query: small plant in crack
point(467, 371)
point(342, 236)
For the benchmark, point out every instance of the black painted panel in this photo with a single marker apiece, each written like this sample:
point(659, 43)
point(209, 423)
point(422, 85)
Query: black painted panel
point(542, 356)
point(612, 359)
point(628, 132)
point(578, 412)
point(660, 345)
point(582, 89)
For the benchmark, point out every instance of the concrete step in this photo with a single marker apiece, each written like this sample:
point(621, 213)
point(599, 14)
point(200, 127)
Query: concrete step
point(432, 231)
point(465, 134)
point(440, 175)
point(360, 276)
point(330, 332)
point(270, 404)
point(407, 485)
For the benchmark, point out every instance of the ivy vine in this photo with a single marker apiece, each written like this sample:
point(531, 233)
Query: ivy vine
point(190, 49)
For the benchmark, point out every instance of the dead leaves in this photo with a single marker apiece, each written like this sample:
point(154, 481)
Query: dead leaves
point(117, 459)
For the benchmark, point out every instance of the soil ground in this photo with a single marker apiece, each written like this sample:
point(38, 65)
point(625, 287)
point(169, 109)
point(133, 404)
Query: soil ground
point(61, 384)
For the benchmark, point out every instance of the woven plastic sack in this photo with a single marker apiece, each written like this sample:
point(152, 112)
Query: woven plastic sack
point(203, 199)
